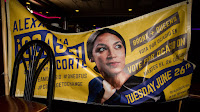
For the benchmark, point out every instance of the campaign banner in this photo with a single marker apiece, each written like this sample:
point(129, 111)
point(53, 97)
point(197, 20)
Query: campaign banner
point(137, 61)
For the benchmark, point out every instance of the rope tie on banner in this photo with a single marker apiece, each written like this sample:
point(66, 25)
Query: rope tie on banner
point(5, 75)
point(187, 2)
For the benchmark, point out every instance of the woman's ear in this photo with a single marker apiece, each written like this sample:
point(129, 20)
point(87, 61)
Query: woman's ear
point(92, 59)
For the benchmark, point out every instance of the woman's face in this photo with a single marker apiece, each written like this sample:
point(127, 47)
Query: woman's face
point(109, 54)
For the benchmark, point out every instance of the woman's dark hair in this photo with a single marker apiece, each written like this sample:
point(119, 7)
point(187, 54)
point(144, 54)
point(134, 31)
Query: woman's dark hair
point(93, 37)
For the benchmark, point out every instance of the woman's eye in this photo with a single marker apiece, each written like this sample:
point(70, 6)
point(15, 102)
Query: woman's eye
point(118, 46)
point(101, 49)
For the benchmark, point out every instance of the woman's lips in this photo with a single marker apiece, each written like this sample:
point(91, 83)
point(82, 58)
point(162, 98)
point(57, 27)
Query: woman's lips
point(113, 64)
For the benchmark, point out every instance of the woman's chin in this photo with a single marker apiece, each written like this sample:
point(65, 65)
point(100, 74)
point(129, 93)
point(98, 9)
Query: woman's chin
point(113, 72)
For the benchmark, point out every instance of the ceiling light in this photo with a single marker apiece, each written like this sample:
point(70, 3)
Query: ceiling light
point(28, 3)
point(130, 10)
point(94, 25)
point(76, 10)
point(29, 9)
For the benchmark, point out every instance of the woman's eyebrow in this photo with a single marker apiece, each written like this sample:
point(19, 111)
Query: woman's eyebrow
point(100, 44)
point(118, 42)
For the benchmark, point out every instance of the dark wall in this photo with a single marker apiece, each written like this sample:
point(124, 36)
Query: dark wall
point(194, 51)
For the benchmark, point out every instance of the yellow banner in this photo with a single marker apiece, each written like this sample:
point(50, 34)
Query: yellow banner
point(136, 61)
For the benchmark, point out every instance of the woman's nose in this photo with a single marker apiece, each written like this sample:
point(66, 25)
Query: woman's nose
point(111, 54)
